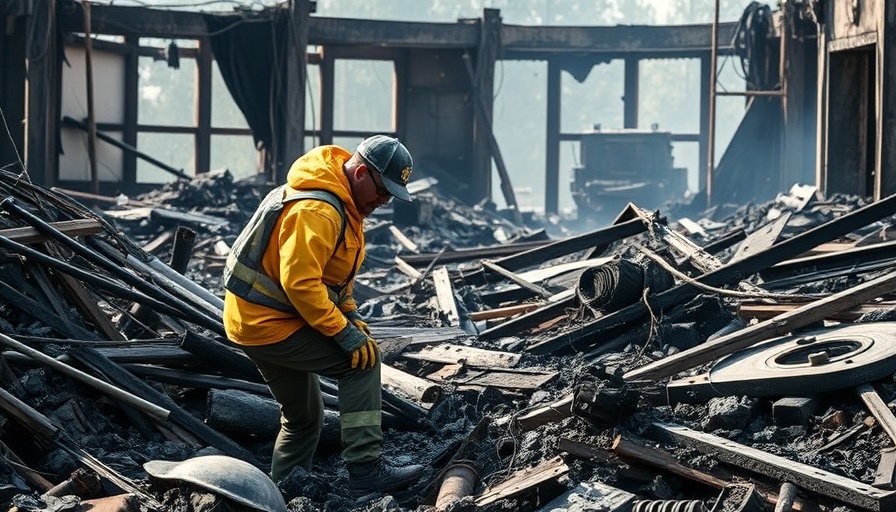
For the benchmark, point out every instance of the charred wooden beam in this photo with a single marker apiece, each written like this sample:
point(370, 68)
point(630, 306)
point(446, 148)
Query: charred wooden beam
point(176, 414)
point(778, 326)
point(885, 476)
point(748, 310)
point(445, 296)
point(195, 380)
point(166, 282)
point(88, 277)
point(585, 450)
point(616, 41)
point(176, 217)
point(27, 416)
point(538, 290)
point(503, 378)
point(230, 361)
point(551, 413)
point(664, 461)
point(528, 320)
point(146, 406)
point(495, 313)
point(782, 469)
point(572, 244)
point(73, 228)
point(31, 476)
point(34, 309)
point(89, 307)
point(158, 298)
point(46, 430)
point(882, 252)
point(729, 273)
point(878, 408)
point(406, 269)
point(476, 253)
point(406, 414)
point(68, 121)
point(448, 353)
point(726, 241)
point(408, 385)
point(526, 480)
point(131, 202)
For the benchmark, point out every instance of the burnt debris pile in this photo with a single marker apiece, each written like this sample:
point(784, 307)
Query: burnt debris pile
point(739, 360)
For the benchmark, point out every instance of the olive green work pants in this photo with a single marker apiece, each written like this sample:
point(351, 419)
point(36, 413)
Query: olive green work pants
point(291, 368)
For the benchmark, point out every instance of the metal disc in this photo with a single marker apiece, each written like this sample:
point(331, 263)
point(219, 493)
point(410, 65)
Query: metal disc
point(810, 363)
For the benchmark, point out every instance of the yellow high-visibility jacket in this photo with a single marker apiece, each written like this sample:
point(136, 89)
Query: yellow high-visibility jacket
point(298, 257)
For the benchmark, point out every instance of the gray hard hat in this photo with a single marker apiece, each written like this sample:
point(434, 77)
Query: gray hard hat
point(392, 160)
point(232, 478)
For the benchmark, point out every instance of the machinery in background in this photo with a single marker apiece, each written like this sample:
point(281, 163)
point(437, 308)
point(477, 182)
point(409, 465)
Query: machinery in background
point(622, 166)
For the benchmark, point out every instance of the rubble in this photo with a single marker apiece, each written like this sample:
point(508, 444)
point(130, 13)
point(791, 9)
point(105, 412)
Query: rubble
point(524, 371)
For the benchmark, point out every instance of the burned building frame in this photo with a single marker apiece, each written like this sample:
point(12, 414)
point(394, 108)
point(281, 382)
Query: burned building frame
point(832, 127)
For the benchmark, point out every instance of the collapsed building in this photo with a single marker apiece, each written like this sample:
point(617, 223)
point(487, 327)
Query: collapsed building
point(673, 358)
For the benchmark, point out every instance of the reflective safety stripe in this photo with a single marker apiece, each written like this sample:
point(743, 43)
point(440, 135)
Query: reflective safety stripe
point(242, 271)
point(264, 290)
point(361, 419)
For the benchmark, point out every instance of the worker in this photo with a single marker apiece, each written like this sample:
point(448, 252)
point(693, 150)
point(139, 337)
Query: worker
point(288, 305)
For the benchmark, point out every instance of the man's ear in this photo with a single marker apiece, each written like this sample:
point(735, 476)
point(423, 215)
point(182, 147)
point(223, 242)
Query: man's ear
point(360, 171)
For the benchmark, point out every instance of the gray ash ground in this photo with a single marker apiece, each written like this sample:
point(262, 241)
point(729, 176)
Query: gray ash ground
point(503, 450)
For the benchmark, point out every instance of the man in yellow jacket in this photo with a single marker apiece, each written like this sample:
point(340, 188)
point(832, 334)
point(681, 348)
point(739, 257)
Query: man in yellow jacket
point(288, 304)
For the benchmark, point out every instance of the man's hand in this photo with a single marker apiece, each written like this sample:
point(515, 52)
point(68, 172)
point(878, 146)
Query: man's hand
point(361, 348)
point(365, 357)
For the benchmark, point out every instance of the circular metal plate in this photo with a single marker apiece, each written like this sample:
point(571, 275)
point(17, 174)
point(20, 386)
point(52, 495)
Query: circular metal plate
point(810, 363)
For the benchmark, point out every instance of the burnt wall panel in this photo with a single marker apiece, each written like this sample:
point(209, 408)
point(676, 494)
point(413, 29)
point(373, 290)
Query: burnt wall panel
point(800, 121)
point(439, 119)
point(886, 179)
point(850, 19)
point(12, 90)
point(438, 128)
point(850, 155)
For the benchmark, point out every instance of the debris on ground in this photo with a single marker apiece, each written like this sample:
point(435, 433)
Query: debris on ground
point(739, 358)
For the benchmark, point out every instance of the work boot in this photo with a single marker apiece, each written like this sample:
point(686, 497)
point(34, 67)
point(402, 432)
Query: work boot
point(378, 476)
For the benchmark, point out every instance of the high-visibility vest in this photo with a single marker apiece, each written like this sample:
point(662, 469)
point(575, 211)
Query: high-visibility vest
point(242, 273)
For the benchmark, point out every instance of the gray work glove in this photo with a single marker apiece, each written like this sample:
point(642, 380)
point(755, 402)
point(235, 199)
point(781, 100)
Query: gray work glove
point(362, 349)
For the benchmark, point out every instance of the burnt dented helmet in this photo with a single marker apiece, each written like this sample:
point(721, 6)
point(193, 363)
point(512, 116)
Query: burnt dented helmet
point(232, 478)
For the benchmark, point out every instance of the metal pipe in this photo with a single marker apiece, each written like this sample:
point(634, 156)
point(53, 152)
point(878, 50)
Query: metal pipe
point(70, 121)
point(786, 497)
point(750, 93)
point(188, 284)
point(83, 275)
point(200, 317)
point(711, 136)
point(150, 408)
point(459, 481)
point(164, 280)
